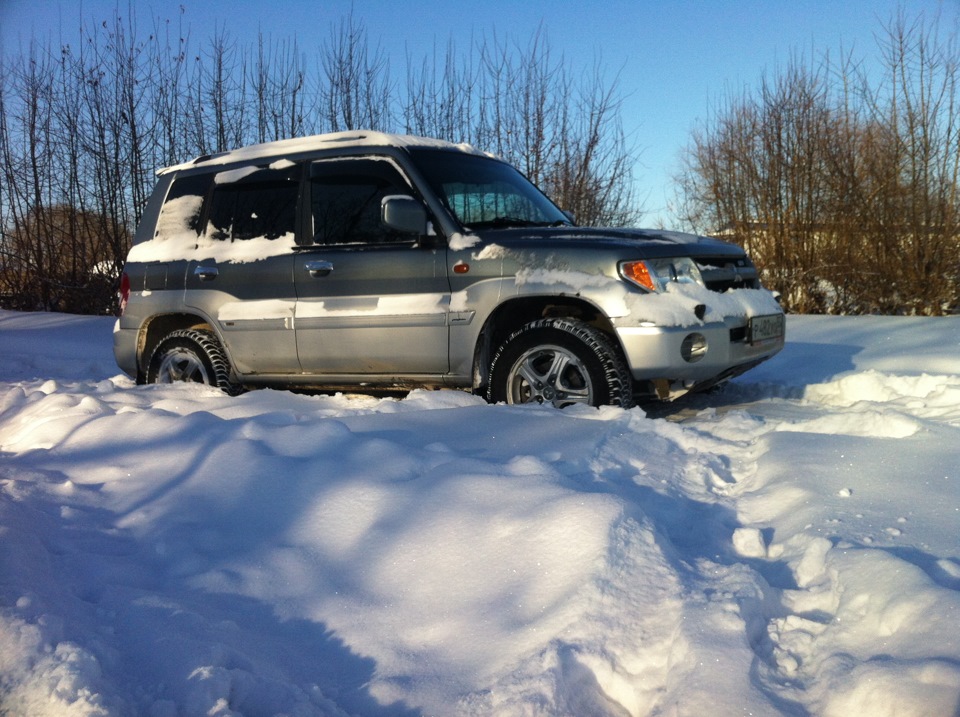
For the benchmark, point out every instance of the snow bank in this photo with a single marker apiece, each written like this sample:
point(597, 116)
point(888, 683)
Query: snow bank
point(786, 546)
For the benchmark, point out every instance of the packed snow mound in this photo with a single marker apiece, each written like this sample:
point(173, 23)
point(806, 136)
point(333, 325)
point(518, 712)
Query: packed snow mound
point(787, 545)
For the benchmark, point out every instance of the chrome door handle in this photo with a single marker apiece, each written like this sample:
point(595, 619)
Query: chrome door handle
point(319, 268)
point(206, 273)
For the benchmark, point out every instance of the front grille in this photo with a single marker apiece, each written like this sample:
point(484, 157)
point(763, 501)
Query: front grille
point(721, 275)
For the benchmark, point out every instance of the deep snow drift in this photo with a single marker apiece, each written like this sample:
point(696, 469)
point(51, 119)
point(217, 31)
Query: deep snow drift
point(786, 546)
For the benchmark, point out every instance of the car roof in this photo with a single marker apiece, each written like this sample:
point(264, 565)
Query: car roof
point(299, 145)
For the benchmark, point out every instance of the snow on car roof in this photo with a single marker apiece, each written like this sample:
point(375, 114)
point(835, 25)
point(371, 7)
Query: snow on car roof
point(297, 145)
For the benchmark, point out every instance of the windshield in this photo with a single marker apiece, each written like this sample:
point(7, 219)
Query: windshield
point(484, 193)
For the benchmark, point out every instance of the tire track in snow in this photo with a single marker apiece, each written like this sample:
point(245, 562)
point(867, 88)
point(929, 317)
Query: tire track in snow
point(823, 584)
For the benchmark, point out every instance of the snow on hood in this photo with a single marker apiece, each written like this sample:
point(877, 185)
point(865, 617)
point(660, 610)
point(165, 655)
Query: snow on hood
point(677, 305)
point(614, 234)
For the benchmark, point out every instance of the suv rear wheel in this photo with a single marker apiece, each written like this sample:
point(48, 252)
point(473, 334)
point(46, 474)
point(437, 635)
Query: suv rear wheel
point(559, 361)
point(191, 355)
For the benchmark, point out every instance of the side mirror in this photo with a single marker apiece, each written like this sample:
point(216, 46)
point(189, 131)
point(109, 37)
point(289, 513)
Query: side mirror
point(404, 214)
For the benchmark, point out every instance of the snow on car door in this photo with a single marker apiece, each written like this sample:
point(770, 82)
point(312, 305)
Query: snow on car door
point(242, 273)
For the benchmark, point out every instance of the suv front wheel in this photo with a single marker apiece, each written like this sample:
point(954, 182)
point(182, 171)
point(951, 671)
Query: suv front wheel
point(559, 361)
point(191, 356)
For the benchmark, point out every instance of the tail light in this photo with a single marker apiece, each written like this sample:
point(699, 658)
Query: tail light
point(124, 292)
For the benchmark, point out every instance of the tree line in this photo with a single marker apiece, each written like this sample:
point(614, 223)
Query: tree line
point(84, 128)
point(842, 180)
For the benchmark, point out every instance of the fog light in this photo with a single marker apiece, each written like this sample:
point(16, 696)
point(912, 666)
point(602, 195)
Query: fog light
point(693, 348)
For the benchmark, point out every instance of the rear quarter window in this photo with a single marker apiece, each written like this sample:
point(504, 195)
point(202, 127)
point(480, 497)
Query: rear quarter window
point(180, 214)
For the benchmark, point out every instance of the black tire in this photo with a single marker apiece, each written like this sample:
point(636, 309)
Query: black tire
point(191, 355)
point(559, 361)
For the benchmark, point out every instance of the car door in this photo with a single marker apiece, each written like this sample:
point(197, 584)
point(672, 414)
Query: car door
point(241, 275)
point(370, 301)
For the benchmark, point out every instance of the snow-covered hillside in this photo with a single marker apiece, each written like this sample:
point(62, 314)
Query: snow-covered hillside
point(790, 545)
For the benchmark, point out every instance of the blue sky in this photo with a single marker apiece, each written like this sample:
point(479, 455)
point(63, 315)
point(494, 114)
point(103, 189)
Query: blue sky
point(675, 59)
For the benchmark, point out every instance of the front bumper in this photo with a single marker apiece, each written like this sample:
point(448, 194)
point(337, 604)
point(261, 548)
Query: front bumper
point(656, 353)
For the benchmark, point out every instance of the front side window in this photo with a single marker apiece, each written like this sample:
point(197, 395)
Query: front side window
point(345, 198)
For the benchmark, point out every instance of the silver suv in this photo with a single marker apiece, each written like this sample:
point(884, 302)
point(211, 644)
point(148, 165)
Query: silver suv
point(367, 261)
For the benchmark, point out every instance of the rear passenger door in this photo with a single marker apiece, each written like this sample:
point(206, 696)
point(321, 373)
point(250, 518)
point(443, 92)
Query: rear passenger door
point(370, 301)
point(242, 273)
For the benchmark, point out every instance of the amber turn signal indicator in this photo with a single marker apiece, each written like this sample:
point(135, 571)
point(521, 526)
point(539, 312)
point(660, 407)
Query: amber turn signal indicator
point(639, 273)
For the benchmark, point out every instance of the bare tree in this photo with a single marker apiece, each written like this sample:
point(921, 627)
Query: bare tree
point(356, 91)
point(216, 107)
point(846, 193)
point(28, 150)
point(919, 110)
point(73, 162)
point(67, 275)
point(442, 97)
point(563, 132)
point(165, 89)
point(592, 176)
point(278, 85)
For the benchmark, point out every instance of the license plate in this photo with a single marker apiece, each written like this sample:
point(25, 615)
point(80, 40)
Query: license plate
point(766, 328)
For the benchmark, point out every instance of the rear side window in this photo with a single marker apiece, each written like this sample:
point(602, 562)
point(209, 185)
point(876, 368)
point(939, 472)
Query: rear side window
point(254, 203)
point(345, 200)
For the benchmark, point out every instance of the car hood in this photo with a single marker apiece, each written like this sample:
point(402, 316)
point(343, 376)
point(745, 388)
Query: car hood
point(657, 241)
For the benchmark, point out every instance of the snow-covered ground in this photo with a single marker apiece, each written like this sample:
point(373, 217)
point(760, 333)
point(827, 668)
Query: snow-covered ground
point(790, 545)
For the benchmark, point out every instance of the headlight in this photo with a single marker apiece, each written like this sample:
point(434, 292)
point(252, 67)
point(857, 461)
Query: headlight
point(655, 274)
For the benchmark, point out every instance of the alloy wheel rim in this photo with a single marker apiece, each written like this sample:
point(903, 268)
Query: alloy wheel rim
point(549, 374)
point(182, 366)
